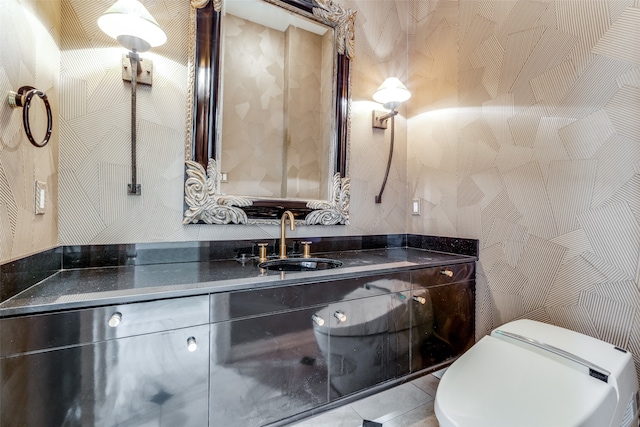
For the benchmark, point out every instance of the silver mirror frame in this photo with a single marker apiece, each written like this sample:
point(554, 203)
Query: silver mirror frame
point(204, 203)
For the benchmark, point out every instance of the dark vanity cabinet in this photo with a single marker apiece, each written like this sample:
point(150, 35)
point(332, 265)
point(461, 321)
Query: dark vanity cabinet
point(243, 358)
point(442, 301)
point(125, 365)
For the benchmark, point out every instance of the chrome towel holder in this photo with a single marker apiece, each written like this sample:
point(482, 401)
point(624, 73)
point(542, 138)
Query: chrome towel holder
point(22, 98)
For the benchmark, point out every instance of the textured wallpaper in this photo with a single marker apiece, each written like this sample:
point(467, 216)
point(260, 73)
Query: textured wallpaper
point(524, 134)
point(29, 56)
point(95, 147)
point(95, 105)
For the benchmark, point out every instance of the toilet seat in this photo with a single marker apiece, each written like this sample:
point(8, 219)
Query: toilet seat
point(502, 382)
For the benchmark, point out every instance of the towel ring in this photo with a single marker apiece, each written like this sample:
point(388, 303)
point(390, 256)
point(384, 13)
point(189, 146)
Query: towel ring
point(22, 98)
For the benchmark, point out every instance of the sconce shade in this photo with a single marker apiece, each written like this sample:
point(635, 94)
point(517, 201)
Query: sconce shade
point(391, 93)
point(129, 22)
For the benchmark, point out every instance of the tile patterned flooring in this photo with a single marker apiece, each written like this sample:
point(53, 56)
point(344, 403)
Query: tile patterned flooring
point(406, 405)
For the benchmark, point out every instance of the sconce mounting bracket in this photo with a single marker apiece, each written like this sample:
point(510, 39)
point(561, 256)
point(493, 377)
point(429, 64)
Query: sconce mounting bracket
point(145, 70)
point(132, 192)
point(379, 119)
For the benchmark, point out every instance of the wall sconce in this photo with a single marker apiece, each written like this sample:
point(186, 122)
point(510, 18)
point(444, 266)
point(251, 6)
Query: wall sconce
point(390, 94)
point(129, 22)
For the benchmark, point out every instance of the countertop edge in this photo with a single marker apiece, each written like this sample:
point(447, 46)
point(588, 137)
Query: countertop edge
point(97, 299)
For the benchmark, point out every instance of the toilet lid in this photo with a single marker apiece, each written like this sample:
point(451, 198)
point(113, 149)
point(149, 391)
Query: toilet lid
point(499, 384)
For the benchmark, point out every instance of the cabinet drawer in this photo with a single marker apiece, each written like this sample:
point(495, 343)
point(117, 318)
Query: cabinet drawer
point(442, 275)
point(40, 332)
point(356, 288)
point(240, 304)
point(235, 305)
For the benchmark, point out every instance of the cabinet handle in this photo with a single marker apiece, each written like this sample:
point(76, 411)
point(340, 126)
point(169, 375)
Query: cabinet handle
point(115, 319)
point(317, 320)
point(340, 316)
point(192, 345)
point(447, 273)
point(421, 300)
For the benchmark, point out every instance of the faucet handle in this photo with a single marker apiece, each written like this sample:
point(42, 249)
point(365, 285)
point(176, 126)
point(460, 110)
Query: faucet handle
point(306, 249)
point(262, 252)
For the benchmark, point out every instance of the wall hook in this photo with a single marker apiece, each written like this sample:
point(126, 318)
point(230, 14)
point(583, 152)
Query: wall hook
point(22, 98)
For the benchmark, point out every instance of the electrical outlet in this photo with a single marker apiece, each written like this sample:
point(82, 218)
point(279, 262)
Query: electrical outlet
point(40, 199)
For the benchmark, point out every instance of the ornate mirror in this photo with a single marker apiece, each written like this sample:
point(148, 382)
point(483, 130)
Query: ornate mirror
point(268, 113)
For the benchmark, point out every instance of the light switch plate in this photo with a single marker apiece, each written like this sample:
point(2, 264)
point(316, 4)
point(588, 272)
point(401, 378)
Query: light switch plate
point(415, 206)
point(40, 197)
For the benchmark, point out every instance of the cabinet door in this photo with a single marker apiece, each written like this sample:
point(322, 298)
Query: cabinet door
point(443, 323)
point(148, 380)
point(265, 368)
point(368, 342)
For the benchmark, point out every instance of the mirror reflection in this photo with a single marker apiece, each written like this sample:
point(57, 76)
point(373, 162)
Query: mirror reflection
point(277, 102)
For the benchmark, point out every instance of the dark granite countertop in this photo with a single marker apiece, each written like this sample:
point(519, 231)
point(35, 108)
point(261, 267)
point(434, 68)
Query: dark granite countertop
point(90, 287)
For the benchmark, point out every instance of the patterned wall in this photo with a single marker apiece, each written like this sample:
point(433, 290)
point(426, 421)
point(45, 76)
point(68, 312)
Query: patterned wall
point(94, 149)
point(95, 105)
point(525, 135)
point(29, 56)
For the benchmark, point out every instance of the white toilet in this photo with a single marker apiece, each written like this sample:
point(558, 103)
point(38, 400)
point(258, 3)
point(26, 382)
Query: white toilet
point(530, 374)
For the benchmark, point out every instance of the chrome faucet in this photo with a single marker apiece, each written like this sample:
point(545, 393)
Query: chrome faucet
point(283, 232)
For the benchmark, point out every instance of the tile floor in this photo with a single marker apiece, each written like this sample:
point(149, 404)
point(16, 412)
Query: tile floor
point(406, 405)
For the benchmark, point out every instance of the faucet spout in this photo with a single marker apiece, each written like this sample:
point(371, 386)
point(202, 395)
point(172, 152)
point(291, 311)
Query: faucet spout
point(283, 232)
